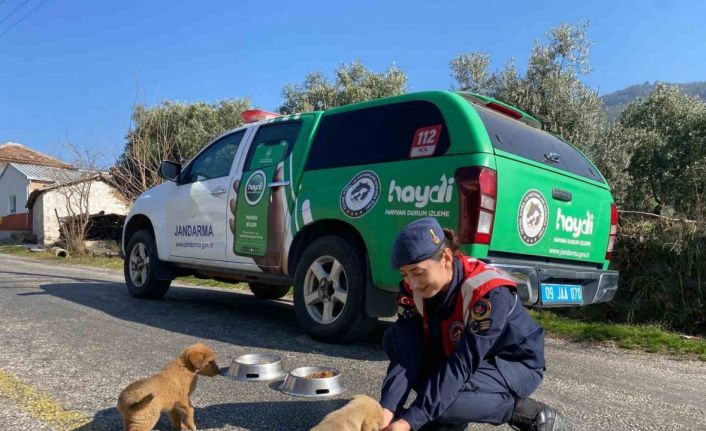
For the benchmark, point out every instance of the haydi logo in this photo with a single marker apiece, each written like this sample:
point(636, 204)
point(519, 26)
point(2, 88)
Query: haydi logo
point(255, 188)
point(422, 195)
point(574, 225)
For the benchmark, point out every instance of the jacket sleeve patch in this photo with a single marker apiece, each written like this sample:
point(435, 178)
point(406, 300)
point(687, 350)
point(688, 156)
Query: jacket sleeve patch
point(481, 309)
point(405, 307)
point(478, 326)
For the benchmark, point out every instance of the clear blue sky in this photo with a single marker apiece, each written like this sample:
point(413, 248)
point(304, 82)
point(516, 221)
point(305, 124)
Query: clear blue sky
point(72, 70)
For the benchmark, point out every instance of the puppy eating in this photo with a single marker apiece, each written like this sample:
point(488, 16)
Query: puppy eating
point(142, 402)
point(361, 414)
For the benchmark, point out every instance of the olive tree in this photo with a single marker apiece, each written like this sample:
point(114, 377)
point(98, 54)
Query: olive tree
point(669, 164)
point(170, 131)
point(550, 90)
point(354, 83)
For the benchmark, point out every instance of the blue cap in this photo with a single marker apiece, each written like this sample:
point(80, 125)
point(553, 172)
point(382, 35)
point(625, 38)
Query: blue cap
point(418, 241)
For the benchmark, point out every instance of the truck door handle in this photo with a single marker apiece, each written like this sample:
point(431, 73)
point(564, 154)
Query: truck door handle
point(218, 191)
point(561, 195)
point(278, 184)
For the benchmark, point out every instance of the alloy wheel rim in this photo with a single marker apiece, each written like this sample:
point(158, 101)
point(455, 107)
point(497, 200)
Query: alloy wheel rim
point(325, 290)
point(139, 264)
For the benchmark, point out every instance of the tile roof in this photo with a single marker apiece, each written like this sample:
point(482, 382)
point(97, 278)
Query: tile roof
point(11, 152)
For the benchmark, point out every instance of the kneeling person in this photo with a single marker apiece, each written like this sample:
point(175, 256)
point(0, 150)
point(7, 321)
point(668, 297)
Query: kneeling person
point(462, 341)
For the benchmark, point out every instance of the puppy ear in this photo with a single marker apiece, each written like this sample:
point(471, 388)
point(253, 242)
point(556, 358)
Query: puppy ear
point(196, 358)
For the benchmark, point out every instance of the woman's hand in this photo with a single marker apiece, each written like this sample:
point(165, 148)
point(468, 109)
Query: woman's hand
point(398, 425)
point(387, 417)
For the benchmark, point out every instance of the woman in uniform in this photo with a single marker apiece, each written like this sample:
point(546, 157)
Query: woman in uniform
point(462, 341)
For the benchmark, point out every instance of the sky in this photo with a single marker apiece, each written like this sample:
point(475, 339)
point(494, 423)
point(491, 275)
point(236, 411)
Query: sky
point(71, 70)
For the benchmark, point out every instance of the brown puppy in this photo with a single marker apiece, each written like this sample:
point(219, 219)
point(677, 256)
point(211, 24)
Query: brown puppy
point(361, 414)
point(143, 401)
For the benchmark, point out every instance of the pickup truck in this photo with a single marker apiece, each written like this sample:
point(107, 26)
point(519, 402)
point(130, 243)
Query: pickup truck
point(315, 200)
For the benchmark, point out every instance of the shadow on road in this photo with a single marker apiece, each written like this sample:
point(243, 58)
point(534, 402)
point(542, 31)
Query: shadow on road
point(52, 276)
point(228, 316)
point(259, 416)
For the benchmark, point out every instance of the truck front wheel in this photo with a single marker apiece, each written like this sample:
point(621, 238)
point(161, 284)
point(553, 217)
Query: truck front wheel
point(140, 267)
point(329, 290)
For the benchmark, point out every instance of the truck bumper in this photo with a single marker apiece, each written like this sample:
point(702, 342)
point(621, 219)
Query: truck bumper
point(597, 285)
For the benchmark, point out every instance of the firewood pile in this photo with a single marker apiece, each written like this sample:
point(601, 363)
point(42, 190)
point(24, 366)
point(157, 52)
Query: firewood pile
point(100, 227)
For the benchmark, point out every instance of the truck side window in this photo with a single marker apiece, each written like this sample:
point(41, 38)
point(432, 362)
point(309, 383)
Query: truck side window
point(215, 161)
point(272, 143)
point(375, 135)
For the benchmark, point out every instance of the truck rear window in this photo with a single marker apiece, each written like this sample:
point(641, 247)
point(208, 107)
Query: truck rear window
point(522, 140)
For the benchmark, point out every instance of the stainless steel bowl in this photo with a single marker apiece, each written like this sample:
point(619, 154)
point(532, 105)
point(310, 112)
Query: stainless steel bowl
point(300, 382)
point(258, 367)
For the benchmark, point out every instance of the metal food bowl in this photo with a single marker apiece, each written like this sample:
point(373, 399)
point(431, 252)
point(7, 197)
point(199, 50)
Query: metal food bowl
point(256, 367)
point(302, 382)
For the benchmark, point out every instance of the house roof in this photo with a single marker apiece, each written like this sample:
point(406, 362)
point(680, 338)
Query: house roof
point(11, 152)
point(47, 173)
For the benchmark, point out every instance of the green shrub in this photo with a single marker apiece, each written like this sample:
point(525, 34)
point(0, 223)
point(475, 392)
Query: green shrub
point(662, 266)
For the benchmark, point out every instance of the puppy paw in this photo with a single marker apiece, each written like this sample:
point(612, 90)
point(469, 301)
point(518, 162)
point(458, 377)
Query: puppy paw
point(369, 424)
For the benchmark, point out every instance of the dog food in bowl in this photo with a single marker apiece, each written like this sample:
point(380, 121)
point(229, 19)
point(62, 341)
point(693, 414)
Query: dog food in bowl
point(313, 382)
point(321, 374)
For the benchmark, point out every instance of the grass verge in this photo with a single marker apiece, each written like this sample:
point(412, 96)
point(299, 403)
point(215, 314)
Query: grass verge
point(648, 338)
point(635, 337)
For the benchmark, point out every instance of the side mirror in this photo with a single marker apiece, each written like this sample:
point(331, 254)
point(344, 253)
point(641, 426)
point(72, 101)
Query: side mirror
point(169, 170)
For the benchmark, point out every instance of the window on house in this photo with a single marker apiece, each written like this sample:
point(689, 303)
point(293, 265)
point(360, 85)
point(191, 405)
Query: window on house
point(13, 204)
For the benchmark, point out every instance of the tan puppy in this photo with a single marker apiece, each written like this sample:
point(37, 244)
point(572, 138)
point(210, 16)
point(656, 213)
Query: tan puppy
point(143, 401)
point(361, 414)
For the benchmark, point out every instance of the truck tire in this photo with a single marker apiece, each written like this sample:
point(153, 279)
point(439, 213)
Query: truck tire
point(329, 290)
point(140, 266)
point(266, 291)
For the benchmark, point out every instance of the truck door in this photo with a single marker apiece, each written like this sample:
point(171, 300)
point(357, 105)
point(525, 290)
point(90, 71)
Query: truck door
point(197, 213)
point(260, 210)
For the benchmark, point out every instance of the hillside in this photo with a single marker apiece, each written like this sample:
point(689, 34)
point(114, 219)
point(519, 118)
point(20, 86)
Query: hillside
point(616, 102)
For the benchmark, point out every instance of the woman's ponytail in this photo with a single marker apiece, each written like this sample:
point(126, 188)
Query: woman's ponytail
point(451, 240)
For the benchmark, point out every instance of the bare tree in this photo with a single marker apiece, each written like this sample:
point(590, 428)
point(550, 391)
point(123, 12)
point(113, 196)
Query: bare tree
point(73, 187)
point(148, 146)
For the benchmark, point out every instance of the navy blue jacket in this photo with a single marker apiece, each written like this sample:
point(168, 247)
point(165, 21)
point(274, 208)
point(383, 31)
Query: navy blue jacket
point(512, 339)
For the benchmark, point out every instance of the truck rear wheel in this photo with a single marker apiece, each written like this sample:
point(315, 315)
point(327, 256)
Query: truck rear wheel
point(266, 291)
point(140, 267)
point(329, 290)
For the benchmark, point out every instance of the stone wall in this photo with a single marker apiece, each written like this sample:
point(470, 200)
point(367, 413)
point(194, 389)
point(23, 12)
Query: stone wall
point(49, 203)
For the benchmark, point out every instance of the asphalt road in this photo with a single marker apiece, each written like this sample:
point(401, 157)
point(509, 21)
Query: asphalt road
point(71, 338)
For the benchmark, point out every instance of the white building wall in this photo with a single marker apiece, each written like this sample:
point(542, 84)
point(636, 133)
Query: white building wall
point(13, 182)
point(45, 221)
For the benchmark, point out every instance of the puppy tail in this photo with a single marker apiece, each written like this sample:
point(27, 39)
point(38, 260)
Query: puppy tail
point(141, 403)
point(135, 398)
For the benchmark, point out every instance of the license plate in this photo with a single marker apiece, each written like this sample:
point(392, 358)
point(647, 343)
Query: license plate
point(562, 294)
